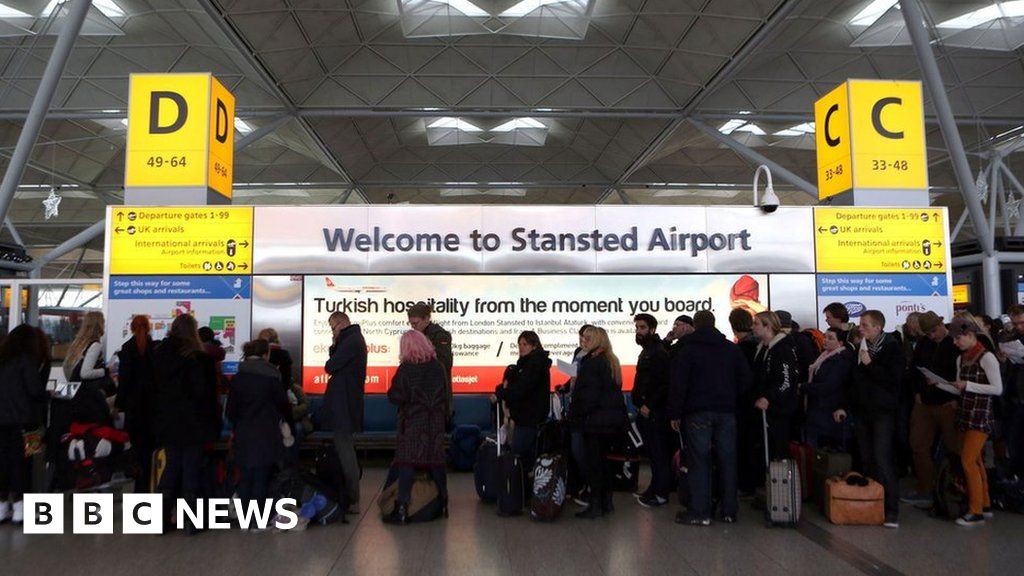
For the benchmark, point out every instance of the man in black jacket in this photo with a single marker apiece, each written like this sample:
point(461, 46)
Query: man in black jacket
point(934, 409)
point(419, 320)
point(748, 418)
point(344, 398)
point(650, 396)
point(706, 379)
point(676, 337)
point(873, 399)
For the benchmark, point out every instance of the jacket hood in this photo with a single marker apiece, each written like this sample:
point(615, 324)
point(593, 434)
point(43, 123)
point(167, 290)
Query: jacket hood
point(259, 367)
point(709, 336)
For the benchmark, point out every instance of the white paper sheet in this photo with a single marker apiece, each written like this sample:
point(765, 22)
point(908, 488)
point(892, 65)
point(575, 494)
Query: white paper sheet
point(567, 368)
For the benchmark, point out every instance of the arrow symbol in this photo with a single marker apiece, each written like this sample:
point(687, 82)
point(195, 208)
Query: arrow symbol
point(937, 244)
point(243, 266)
point(821, 230)
point(120, 216)
point(244, 243)
point(118, 229)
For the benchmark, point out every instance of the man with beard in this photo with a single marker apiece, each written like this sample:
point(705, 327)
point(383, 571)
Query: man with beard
point(650, 396)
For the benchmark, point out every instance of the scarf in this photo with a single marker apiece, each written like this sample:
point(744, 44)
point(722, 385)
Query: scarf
point(874, 349)
point(821, 360)
point(974, 354)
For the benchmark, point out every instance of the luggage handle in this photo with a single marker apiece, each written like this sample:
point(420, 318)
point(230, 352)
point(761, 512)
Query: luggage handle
point(764, 419)
point(497, 434)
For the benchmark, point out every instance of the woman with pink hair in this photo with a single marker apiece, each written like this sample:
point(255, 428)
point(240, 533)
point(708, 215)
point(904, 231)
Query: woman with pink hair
point(419, 389)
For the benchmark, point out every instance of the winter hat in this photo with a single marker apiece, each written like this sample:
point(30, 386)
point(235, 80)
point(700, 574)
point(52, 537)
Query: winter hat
point(928, 321)
point(963, 325)
point(785, 318)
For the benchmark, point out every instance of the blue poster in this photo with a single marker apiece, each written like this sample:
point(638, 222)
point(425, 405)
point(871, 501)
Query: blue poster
point(166, 287)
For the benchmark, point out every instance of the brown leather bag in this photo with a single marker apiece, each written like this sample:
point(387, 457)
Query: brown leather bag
point(848, 505)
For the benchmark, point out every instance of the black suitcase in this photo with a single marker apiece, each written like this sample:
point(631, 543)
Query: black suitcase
point(510, 484)
point(548, 494)
point(484, 470)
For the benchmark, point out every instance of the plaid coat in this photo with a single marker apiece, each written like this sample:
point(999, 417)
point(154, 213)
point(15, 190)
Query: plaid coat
point(974, 411)
point(420, 392)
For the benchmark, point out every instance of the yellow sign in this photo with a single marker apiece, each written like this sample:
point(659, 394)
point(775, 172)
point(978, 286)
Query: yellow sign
point(192, 240)
point(180, 132)
point(961, 294)
point(832, 142)
point(870, 135)
point(880, 239)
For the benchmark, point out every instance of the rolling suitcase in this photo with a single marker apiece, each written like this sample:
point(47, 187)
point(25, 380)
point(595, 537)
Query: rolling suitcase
point(803, 454)
point(782, 487)
point(463, 446)
point(484, 469)
point(509, 480)
point(548, 494)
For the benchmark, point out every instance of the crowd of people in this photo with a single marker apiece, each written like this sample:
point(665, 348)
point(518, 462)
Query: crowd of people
point(888, 397)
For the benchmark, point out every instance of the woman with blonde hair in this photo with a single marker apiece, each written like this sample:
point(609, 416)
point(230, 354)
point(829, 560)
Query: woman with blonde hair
point(776, 380)
point(598, 411)
point(420, 390)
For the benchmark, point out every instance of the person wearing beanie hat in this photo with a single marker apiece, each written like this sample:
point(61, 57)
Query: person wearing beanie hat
point(978, 381)
point(676, 337)
point(934, 411)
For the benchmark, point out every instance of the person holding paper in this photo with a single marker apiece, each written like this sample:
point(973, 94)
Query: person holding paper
point(978, 380)
point(934, 409)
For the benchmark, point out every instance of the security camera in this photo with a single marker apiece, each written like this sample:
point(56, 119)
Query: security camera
point(769, 201)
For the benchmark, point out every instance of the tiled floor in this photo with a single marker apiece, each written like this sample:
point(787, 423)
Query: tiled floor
point(474, 541)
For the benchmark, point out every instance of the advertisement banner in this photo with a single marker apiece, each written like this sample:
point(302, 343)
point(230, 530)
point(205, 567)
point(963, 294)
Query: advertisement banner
point(486, 314)
point(221, 302)
point(895, 295)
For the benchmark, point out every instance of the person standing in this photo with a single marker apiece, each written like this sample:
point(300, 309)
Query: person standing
point(257, 405)
point(828, 377)
point(873, 400)
point(598, 411)
point(418, 389)
point(978, 381)
point(676, 337)
point(344, 398)
point(748, 417)
point(837, 316)
point(187, 415)
point(650, 396)
point(708, 378)
point(776, 381)
point(441, 339)
point(135, 396)
point(279, 357)
point(24, 369)
point(528, 396)
point(934, 411)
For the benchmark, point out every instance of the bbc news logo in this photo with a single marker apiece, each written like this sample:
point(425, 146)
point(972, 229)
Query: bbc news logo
point(144, 513)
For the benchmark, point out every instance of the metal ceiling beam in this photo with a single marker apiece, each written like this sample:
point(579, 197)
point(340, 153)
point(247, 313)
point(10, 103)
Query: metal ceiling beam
point(798, 118)
point(41, 101)
point(913, 16)
point(13, 231)
point(77, 241)
point(756, 157)
point(234, 36)
point(260, 133)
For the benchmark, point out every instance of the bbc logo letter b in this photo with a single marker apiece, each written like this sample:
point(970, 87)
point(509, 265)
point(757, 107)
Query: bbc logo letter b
point(44, 514)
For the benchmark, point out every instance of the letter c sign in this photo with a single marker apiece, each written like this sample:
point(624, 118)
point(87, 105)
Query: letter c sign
point(829, 139)
point(876, 117)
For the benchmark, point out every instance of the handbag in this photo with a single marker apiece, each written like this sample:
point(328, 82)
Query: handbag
point(33, 442)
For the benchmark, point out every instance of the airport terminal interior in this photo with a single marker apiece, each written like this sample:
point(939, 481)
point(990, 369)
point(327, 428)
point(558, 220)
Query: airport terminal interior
point(482, 287)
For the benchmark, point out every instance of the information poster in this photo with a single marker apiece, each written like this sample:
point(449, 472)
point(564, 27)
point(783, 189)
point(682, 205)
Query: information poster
point(221, 302)
point(485, 315)
point(895, 295)
point(880, 240)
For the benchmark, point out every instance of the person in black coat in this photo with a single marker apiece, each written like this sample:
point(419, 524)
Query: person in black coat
point(748, 417)
point(135, 396)
point(24, 369)
point(257, 405)
point(343, 399)
point(527, 394)
point(187, 415)
point(776, 381)
point(873, 399)
point(829, 375)
point(279, 357)
point(598, 411)
point(650, 396)
point(708, 379)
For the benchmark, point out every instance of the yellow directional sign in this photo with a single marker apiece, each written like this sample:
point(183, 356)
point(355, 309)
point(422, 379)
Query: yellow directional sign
point(961, 294)
point(191, 240)
point(880, 240)
point(870, 135)
point(180, 132)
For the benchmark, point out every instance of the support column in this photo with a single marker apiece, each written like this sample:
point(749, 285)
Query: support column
point(990, 281)
point(42, 100)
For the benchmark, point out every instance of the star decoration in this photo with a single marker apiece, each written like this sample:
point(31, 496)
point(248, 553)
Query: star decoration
point(982, 185)
point(1013, 207)
point(51, 203)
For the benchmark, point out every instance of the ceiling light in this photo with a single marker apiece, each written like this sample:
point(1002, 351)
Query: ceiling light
point(8, 12)
point(527, 6)
point(870, 14)
point(107, 7)
point(466, 7)
point(741, 126)
point(517, 124)
point(242, 126)
point(456, 123)
point(984, 15)
point(798, 130)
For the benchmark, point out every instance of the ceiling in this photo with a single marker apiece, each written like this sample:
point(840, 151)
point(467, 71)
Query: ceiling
point(535, 102)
